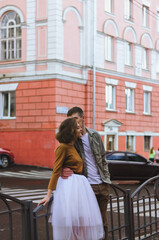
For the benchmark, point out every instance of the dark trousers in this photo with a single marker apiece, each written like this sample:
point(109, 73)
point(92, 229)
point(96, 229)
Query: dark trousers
point(102, 194)
point(151, 159)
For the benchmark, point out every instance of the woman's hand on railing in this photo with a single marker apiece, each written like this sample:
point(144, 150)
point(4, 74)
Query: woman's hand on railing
point(46, 199)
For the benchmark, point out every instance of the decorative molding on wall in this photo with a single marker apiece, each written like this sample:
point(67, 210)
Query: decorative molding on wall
point(147, 88)
point(12, 8)
point(70, 8)
point(130, 85)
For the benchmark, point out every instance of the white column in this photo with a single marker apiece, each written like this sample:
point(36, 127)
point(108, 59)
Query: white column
point(120, 55)
point(88, 28)
point(55, 30)
point(100, 50)
point(31, 36)
point(138, 60)
point(153, 64)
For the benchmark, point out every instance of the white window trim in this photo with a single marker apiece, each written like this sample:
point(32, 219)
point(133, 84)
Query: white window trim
point(8, 87)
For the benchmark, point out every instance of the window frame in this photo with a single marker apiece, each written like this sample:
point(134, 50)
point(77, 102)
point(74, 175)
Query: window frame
point(130, 109)
point(147, 148)
point(9, 104)
point(7, 88)
point(128, 143)
point(145, 16)
point(157, 63)
point(112, 97)
point(11, 37)
point(109, 43)
point(145, 58)
point(128, 10)
point(109, 6)
point(128, 53)
point(147, 103)
point(158, 21)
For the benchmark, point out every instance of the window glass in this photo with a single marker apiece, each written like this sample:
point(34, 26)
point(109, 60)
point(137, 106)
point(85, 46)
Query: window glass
point(9, 104)
point(135, 158)
point(158, 21)
point(145, 58)
point(128, 54)
point(145, 16)
point(10, 36)
point(130, 143)
point(147, 102)
point(147, 141)
point(157, 63)
point(116, 156)
point(128, 9)
point(129, 99)
point(5, 104)
point(12, 104)
point(110, 97)
point(108, 5)
point(109, 48)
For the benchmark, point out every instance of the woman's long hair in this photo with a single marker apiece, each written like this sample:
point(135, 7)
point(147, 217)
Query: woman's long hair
point(151, 151)
point(67, 131)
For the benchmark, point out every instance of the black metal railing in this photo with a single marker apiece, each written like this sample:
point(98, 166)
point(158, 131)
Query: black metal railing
point(41, 215)
point(16, 220)
point(131, 216)
point(144, 209)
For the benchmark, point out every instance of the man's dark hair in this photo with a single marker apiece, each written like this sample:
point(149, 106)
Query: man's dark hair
point(67, 131)
point(75, 110)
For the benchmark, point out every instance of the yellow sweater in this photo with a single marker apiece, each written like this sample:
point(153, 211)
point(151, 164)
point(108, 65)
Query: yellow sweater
point(65, 156)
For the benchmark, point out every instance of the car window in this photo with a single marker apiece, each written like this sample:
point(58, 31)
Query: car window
point(116, 156)
point(135, 158)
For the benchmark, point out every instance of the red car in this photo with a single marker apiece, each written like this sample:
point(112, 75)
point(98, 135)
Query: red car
point(6, 157)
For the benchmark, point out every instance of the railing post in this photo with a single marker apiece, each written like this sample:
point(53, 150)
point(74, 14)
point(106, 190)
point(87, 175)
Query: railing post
point(29, 230)
point(129, 219)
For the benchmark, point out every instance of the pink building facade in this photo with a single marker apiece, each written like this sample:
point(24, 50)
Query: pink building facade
point(94, 54)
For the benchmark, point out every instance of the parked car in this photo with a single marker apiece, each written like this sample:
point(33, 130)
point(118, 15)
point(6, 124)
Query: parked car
point(6, 157)
point(130, 166)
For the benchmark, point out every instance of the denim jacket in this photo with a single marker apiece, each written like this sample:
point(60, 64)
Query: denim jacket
point(98, 150)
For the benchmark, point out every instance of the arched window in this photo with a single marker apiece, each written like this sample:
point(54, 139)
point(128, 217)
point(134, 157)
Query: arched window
point(10, 36)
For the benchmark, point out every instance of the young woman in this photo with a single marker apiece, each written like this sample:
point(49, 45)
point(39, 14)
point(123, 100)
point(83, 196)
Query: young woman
point(152, 154)
point(75, 211)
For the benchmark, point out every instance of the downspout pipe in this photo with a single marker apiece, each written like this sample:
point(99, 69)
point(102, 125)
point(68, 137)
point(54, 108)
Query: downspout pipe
point(94, 66)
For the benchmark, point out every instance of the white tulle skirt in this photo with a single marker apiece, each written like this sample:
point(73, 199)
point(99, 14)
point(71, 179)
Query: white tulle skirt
point(75, 211)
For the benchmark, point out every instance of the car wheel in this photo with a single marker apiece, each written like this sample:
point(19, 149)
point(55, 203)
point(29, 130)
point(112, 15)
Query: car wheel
point(5, 161)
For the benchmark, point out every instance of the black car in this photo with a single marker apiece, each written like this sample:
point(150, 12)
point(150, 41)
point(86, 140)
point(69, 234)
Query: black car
point(130, 166)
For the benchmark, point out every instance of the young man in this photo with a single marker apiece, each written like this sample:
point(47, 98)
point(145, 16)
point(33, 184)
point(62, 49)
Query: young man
point(91, 149)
